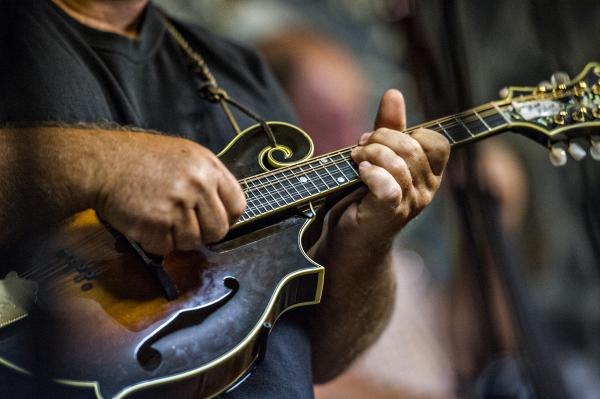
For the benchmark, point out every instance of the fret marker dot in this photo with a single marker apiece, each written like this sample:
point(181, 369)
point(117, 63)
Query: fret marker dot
point(341, 179)
point(303, 179)
point(324, 160)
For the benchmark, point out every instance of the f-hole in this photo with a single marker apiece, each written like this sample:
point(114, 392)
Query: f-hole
point(150, 358)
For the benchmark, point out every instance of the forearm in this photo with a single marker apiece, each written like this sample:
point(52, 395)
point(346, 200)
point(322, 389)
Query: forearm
point(46, 175)
point(357, 301)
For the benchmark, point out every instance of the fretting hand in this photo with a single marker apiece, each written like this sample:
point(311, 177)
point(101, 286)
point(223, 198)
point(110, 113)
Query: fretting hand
point(402, 172)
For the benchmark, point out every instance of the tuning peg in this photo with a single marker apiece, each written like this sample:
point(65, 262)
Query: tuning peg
point(559, 78)
point(503, 93)
point(576, 151)
point(596, 87)
point(580, 114)
point(560, 118)
point(580, 89)
point(558, 155)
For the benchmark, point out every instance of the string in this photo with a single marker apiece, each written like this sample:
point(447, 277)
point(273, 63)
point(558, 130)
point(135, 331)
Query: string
point(296, 171)
point(314, 165)
point(279, 176)
point(485, 110)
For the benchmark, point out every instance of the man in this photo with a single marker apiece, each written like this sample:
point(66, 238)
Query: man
point(88, 66)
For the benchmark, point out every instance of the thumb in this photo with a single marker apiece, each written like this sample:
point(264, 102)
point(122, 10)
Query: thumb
point(392, 111)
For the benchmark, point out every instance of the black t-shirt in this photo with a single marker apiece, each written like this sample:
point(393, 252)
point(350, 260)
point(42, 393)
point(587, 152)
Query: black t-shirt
point(54, 69)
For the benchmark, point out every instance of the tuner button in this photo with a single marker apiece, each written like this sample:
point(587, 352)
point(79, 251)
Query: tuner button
point(503, 93)
point(576, 151)
point(595, 140)
point(580, 114)
point(543, 87)
point(596, 87)
point(558, 155)
point(559, 78)
point(595, 153)
point(580, 89)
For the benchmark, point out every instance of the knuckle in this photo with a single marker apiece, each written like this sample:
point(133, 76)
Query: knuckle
point(412, 146)
point(379, 134)
point(392, 196)
point(426, 198)
point(398, 167)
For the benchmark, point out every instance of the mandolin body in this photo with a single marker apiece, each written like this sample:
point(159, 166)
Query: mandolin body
point(108, 325)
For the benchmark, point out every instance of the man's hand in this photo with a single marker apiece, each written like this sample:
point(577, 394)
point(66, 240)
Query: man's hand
point(167, 193)
point(401, 171)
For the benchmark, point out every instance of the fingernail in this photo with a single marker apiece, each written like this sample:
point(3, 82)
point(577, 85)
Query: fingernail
point(364, 165)
point(363, 138)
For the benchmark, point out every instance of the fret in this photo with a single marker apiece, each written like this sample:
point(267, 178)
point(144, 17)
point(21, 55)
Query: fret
point(482, 121)
point(289, 189)
point(289, 176)
point(279, 193)
point(474, 125)
point(459, 120)
point(317, 172)
point(255, 189)
point(304, 179)
point(313, 176)
point(266, 193)
point(351, 169)
point(249, 208)
point(501, 113)
point(446, 133)
point(495, 120)
point(322, 175)
point(456, 131)
point(337, 180)
point(338, 172)
point(327, 165)
point(249, 213)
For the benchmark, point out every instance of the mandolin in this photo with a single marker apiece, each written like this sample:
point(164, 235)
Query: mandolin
point(125, 323)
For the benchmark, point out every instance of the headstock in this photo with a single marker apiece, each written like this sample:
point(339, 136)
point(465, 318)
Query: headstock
point(563, 114)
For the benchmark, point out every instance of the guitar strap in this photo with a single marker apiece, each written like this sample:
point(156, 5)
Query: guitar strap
point(210, 89)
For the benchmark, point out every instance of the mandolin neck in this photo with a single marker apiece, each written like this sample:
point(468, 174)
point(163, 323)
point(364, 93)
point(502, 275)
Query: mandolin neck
point(321, 176)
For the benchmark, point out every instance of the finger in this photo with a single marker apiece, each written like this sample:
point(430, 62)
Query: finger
point(436, 148)
point(232, 196)
point(212, 217)
point(410, 150)
point(392, 111)
point(364, 138)
point(186, 232)
point(382, 185)
point(384, 157)
point(158, 243)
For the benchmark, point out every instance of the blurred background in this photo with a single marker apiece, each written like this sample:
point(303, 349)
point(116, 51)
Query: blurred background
point(457, 331)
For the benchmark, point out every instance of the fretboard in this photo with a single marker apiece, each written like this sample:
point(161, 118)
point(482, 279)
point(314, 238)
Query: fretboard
point(321, 176)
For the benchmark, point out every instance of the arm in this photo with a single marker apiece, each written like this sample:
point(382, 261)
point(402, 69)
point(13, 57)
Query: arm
point(401, 173)
point(154, 189)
